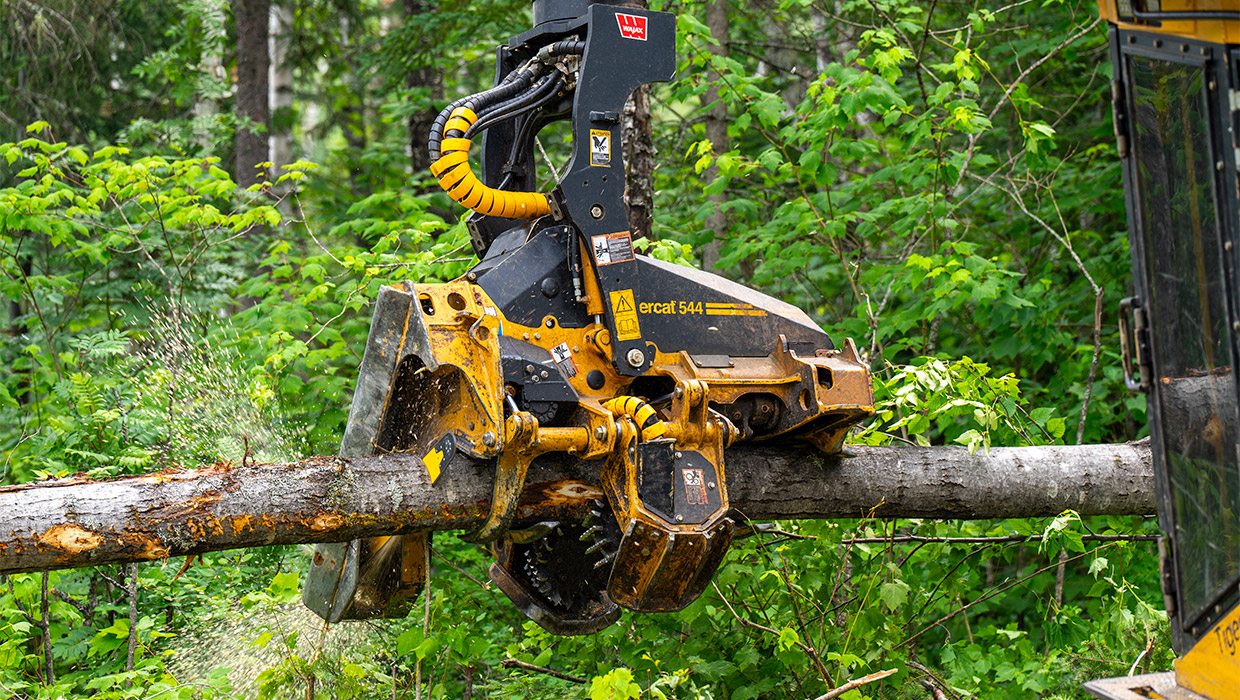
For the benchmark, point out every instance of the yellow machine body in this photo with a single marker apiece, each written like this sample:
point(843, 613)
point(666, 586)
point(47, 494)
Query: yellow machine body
point(1174, 97)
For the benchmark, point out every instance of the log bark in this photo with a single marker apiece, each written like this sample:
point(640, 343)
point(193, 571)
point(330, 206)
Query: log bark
point(77, 522)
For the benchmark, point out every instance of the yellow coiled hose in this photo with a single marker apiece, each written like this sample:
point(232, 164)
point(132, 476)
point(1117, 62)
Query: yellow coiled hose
point(458, 179)
point(641, 413)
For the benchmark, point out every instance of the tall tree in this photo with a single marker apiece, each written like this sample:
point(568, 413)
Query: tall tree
point(639, 156)
point(716, 132)
point(425, 78)
point(639, 162)
point(281, 87)
point(253, 61)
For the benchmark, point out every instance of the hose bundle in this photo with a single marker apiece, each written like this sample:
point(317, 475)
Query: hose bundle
point(521, 91)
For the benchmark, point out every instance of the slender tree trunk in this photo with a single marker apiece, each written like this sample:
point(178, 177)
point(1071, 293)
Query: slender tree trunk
point(46, 627)
point(132, 584)
point(639, 162)
point(427, 80)
point(717, 134)
point(251, 18)
point(281, 87)
point(639, 152)
point(205, 105)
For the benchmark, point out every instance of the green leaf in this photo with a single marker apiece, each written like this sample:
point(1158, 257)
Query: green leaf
point(893, 594)
point(788, 638)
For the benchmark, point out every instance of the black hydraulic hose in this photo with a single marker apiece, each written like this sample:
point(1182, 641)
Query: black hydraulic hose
point(519, 99)
point(540, 96)
point(512, 84)
point(449, 146)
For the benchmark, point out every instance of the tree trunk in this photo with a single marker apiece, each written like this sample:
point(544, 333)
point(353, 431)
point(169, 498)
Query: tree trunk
point(205, 105)
point(251, 18)
point(717, 134)
point(77, 522)
point(280, 97)
point(639, 162)
point(426, 78)
point(638, 145)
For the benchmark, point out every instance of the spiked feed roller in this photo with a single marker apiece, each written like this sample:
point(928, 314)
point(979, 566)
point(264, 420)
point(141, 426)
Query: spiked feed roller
point(563, 339)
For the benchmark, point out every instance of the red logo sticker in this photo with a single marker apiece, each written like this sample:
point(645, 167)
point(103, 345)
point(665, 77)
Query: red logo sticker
point(632, 26)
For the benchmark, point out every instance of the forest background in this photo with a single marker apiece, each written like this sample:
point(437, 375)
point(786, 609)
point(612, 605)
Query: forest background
point(198, 202)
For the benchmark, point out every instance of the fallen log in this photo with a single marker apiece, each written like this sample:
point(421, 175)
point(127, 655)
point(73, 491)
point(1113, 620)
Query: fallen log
point(77, 522)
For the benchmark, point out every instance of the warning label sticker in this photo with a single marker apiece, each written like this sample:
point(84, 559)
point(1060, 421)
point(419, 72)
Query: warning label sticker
point(600, 148)
point(564, 358)
point(612, 248)
point(695, 487)
point(625, 312)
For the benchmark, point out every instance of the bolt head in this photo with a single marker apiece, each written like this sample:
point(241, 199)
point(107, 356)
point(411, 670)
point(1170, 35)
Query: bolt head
point(550, 323)
point(711, 485)
point(680, 518)
point(600, 433)
point(488, 439)
point(596, 211)
point(635, 358)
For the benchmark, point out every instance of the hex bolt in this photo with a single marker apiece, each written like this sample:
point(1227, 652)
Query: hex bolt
point(600, 433)
point(551, 323)
point(635, 358)
point(471, 277)
point(525, 336)
point(711, 485)
point(488, 439)
point(680, 518)
point(544, 374)
point(538, 336)
point(679, 455)
point(596, 211)
point(529, 369)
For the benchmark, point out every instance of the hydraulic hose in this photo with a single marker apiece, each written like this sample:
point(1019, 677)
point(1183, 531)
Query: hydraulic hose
point(455, 176)
point(542, 92)
point(520, 91)
point(641, 412)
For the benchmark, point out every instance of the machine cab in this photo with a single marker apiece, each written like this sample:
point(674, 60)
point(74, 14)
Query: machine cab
point(1175, 105)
